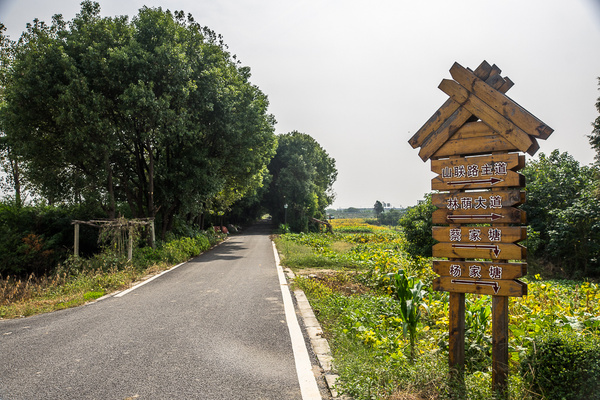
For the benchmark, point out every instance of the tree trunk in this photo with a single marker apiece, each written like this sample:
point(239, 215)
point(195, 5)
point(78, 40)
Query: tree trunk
point(111, 190)
point(151, 209)
point(16, 175)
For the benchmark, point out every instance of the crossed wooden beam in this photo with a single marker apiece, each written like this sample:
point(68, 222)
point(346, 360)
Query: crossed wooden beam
point(478, 118)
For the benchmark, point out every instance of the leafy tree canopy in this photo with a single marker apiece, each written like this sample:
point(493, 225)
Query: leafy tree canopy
point(563, 214)
point(302, 177)
point(378, 208)
point(417, 225)
point(152, 111)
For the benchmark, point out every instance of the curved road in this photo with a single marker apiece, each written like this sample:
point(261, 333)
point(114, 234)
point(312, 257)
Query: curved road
point(213, 328)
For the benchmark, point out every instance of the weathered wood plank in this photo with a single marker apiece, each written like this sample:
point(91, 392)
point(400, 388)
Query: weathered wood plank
point(495, 251)
point(487, 114)
point(456, 339)
point(488, 235)
point(474, 138)
point(473, 129)
point(506, 288)
point(493, 200)
point(503, 104)
point(487, 144)
point(511, 179)
point(487, 269)
point(495, 164)
point(445, 111)
point(437, 138)
point(500, 360)
point(504, 215)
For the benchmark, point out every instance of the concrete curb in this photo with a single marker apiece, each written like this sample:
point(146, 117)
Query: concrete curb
point(318, 342)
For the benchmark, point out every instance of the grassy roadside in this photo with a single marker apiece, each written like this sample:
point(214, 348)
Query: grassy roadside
point(78, 281)
point(346, 277)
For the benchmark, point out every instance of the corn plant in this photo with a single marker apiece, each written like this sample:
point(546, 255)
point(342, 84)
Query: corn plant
point(410, 293)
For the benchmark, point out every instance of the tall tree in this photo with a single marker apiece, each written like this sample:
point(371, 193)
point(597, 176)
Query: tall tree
point(378, 208)
point(595, 135)
point(9, 160)
point(302, 178)
point(154, 112)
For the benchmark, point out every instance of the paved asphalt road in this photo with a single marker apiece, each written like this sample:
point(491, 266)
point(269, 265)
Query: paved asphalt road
point(213, 328)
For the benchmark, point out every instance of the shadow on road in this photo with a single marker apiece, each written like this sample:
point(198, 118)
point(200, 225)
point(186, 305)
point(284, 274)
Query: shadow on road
point(226, 250)
point(262, 227)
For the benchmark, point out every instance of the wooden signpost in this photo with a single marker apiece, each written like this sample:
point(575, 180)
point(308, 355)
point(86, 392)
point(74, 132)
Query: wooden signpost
point(475, 142)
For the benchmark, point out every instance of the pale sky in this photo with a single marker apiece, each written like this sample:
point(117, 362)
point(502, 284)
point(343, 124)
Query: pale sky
point(361, 77)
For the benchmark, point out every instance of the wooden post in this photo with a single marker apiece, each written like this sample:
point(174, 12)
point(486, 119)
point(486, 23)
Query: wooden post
point(456, 342)
point(76, 244)
point(500, 346)
point(500, 333)
point(152, 235)
point(130, 244)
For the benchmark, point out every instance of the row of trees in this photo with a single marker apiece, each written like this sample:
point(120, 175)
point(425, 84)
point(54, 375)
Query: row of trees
point(148, 117)
point(152, 114)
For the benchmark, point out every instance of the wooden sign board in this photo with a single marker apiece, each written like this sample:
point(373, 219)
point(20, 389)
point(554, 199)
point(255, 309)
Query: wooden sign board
point(479, 234)
point(470, 141)
point(483, 199)
point(480, 269)
point(509, 288)
point(494, 251)
point(506, 215)
point(478, 172)
point(474, 138)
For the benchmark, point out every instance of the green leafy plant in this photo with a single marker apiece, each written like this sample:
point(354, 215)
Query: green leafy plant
point(478, 342)
point(410, 293)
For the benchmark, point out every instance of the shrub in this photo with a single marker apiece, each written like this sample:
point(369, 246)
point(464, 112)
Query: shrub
point(417, 224)
point(564, 365)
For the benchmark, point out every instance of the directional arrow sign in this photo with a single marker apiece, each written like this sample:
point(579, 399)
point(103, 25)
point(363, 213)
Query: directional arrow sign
point(480, 269)
point(478, 172)
point(482, 217)
point(505, 215)
point(493, 247)
point(491, 200)
point(511, 179)
point(503, 234)
point(494, 284)
point(488, 182)
point(511, 288)
point(509, 251)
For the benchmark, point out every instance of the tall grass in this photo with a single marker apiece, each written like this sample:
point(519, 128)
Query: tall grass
point(79, 280)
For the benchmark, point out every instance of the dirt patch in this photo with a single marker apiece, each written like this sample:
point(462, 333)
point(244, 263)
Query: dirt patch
point(340, 281)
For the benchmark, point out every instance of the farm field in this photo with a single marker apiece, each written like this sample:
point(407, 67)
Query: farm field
point(357, 280)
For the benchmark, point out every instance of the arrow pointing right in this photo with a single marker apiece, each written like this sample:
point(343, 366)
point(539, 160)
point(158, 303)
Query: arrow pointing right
point(491, 217)
point(491, 181)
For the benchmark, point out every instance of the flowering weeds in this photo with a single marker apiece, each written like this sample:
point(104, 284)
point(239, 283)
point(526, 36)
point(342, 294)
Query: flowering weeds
point(366, 331)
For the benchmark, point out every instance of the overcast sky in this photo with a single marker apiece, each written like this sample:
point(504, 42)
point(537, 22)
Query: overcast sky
point(361, 77)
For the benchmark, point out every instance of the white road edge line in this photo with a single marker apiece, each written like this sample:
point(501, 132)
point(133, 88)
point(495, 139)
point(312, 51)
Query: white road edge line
point(306, 378)
point(131, 289)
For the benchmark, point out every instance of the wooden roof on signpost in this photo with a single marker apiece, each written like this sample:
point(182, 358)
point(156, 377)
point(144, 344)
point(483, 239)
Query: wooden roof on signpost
point(478, 118)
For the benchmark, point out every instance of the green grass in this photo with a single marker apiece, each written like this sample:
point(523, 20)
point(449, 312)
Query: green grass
point(364, 326)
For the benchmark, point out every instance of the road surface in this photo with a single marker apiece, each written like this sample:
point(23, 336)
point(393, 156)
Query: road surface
point(213, 328)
